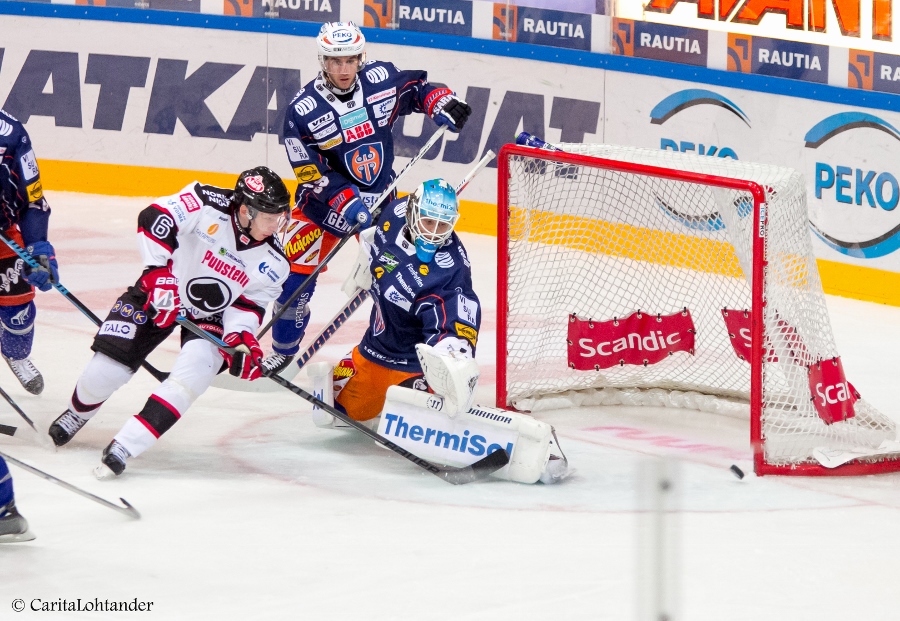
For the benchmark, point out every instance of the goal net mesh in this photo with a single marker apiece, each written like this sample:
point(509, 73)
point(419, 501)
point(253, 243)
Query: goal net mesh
point(601, 244)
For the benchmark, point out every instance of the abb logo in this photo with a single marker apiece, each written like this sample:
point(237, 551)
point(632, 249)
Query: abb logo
point(832, 395)
point(359, 132)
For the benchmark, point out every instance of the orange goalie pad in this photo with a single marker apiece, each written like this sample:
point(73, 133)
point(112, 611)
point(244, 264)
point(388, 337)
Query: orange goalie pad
point(360, 385)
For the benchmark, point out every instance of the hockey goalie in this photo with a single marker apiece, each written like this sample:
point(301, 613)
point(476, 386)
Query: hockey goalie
point(414, 372)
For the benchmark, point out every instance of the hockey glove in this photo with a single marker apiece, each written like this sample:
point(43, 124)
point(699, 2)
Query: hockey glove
point(47, 274)
point(244, 362)
point(163, 302)
point(452, 112)
point(349, 205)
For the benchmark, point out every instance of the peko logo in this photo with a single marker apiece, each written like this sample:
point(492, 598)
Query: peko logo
point(689, 98)
point(847, 185)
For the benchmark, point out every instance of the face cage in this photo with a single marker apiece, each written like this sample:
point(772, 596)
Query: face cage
point(431, 236)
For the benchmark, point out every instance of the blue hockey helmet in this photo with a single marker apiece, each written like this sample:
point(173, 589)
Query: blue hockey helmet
point(431, 213)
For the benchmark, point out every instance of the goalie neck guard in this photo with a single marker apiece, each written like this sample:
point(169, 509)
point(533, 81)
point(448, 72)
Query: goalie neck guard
point(431, 213)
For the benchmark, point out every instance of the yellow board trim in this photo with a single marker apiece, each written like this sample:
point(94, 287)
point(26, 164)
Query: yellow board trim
point(851, 281)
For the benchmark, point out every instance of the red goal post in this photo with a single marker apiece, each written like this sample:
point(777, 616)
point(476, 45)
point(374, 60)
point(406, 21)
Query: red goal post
point(598, 239)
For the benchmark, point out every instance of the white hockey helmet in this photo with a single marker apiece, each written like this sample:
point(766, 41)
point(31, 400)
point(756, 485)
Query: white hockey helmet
point(341, 39)
point(431, 213)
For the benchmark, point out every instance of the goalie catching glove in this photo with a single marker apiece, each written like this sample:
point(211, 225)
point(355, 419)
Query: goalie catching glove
point(163, 302)
point(451, 372)
point(247, 356)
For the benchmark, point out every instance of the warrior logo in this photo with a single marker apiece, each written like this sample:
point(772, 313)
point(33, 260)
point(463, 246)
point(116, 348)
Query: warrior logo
point(364, 162)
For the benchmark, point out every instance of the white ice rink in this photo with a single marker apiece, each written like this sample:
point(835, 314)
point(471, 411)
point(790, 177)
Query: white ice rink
point(250, 512)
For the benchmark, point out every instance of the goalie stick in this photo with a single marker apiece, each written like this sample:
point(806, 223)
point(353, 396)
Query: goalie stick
point(376, 209)
point(128, 510)
point(225, 381)
point(159, 375)
point(457, 476)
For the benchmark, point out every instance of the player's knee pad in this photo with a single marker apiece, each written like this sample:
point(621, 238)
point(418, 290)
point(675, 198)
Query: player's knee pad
point(416, 421)
point(18, 319)
point(100, 379)
point(192, 373)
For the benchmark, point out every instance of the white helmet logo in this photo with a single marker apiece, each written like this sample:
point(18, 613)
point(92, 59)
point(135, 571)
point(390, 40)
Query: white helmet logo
point(342, 36)
point(255, 183)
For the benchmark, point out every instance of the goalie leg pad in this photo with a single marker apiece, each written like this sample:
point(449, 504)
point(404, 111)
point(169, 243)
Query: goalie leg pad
point(417, 422)
point(321, 374)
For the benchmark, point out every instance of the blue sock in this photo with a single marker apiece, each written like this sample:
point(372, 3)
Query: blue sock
point(17, 323)
point(288, 331)
point(6, 487)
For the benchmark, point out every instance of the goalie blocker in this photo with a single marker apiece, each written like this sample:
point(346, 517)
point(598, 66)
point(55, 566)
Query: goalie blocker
point(428, 425)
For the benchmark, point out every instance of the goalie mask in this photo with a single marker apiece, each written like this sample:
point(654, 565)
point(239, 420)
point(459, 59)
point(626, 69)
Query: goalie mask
point(431, 213)
point(340, 45)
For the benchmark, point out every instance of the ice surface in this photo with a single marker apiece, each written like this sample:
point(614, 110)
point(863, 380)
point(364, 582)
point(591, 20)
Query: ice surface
point(250, 512)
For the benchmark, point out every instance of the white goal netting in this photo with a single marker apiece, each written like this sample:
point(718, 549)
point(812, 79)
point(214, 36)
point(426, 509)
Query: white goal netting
point(600, 244)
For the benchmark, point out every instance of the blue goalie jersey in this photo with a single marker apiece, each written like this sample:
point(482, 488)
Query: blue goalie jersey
point(334, 142)
point(417, 302)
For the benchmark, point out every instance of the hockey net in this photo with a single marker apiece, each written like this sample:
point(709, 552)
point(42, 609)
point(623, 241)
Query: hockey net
point(597, 234)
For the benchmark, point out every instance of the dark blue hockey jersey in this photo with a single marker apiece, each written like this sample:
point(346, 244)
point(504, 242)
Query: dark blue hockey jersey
point(332, 144)
point(22, 199)
point(415, 302)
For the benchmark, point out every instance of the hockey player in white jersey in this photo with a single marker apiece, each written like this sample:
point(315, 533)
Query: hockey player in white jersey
point(210, 253)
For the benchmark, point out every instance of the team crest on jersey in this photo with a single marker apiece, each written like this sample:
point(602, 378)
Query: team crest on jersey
point(365, 161)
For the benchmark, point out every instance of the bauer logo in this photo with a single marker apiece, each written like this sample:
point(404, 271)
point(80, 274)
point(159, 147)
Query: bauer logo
point(854, 200)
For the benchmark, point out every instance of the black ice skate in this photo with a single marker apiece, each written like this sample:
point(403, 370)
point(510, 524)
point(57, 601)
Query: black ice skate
point(275, 363)
point(65, 427)
point(13, 527)
point(28, 375)
point(112, 463)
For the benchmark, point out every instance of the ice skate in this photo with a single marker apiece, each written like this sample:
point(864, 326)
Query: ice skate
point(13, 527)
point(112, 463)
point(65, 427)
point(275, 363)
point(28, 375)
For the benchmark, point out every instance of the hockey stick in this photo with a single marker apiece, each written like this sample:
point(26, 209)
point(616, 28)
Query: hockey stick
point(376, 209)
point(225, 381)
point(159, 375)
point(8, 430)
point(41, 439)
point(128, 510)
point(457, 476)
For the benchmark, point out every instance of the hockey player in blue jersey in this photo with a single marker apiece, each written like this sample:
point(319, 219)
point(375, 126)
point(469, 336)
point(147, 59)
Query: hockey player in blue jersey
point(24, 218)
point(13, 527)
point(422, 335)
point(338, 140)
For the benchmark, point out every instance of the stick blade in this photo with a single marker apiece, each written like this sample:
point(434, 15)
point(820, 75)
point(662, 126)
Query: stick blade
point(481, 469)
point(129, 510)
